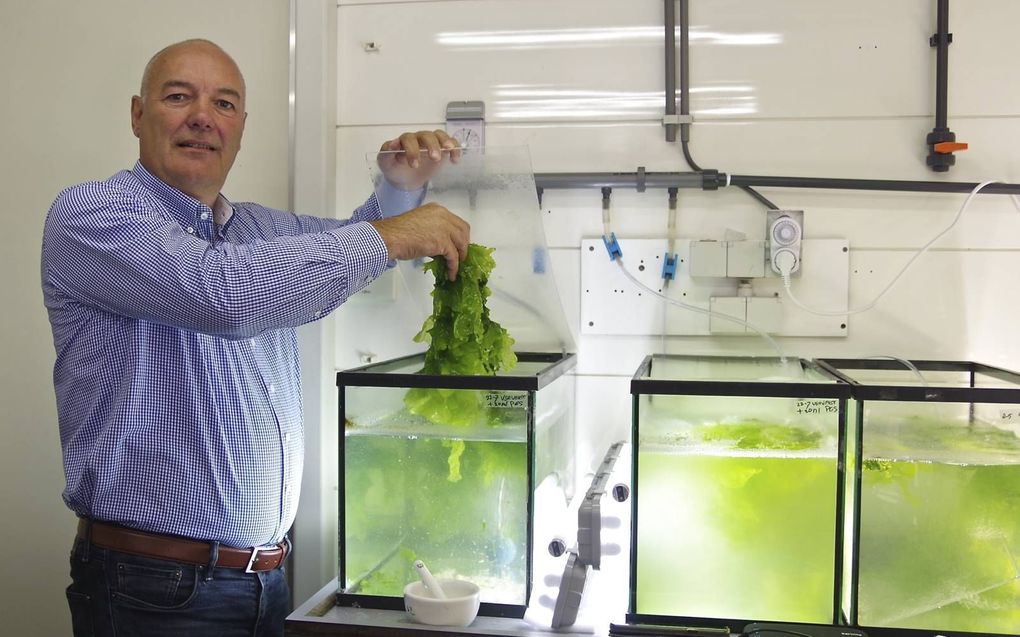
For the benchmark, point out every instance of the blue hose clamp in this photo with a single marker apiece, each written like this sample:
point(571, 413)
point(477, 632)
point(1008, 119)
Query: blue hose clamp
point(612, 246)
point(669, 266)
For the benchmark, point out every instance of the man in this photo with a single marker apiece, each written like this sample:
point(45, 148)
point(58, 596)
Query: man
point(177, 376)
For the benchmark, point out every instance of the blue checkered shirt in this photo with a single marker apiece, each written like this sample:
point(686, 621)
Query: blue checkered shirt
point(177, 375)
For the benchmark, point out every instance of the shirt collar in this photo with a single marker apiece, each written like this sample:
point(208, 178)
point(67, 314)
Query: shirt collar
point(222, 210)
point(185, 208)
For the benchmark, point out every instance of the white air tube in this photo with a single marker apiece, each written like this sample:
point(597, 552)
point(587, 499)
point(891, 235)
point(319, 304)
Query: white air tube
point(701, 310)
point(785, 267)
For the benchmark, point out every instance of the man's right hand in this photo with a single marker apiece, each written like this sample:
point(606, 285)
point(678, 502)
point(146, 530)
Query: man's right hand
point(427, 231)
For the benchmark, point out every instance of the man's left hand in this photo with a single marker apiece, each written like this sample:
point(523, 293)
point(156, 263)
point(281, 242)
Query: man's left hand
point(421, 156)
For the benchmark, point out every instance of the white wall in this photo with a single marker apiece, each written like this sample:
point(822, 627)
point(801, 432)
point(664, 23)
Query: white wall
point(780, 87)
point(69, 70)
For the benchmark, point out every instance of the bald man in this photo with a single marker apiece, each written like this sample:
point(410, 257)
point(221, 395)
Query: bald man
point(177, 375)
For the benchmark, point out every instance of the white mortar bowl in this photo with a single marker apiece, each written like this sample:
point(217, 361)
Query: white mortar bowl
point(458, 609)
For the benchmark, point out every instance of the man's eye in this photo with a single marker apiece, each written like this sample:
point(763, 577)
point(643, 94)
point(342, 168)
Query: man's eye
point(176, 97)
point(225, 105)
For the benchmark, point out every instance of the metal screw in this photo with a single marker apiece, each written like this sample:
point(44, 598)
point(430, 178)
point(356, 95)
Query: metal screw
point(621, 492)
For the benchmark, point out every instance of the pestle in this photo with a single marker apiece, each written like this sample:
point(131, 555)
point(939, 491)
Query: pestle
point(431, 585)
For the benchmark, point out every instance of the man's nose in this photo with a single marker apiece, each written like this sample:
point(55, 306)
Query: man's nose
point(200, 115)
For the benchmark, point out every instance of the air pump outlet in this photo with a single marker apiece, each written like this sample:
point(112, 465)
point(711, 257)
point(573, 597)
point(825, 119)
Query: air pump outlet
point(785, 230)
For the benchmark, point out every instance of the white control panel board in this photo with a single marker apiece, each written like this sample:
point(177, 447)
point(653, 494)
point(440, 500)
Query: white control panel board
point(612, 304)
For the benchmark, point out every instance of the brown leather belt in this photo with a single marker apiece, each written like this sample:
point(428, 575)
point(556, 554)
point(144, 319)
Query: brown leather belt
point(177, 549)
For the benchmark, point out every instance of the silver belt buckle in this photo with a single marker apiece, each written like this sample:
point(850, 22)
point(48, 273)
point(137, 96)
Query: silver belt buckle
point(255, 556)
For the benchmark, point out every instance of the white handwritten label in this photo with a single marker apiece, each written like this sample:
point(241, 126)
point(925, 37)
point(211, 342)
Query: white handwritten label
point(1009, 415)
point(504, 400)
point(817, 406)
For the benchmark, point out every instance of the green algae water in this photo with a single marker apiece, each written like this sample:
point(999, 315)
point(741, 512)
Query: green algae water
point(458, 504)
point(737, 496)
point(736, 536)
point(940, 528)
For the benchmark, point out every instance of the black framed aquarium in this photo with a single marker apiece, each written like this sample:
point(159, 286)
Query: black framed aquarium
point(738, 492)
point(444, 468)
point(936, 497)
point(448, 455)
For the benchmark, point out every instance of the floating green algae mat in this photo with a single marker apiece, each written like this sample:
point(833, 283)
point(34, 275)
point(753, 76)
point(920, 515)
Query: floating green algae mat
point(759, 435)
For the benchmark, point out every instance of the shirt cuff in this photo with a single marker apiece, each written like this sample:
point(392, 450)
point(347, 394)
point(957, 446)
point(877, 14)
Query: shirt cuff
point(364, 254)
point(394, 201)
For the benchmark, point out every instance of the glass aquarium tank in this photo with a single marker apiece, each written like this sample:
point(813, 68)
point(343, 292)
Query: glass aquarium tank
point(738, 489)
point(936, 517)
point(444, 469)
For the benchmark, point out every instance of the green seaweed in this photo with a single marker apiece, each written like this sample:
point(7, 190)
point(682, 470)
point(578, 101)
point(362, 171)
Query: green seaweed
point(462, 340)
point(755, 434)
point(453, 461)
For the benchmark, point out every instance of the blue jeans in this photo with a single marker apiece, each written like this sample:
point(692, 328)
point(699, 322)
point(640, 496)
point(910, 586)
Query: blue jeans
point(115, 594)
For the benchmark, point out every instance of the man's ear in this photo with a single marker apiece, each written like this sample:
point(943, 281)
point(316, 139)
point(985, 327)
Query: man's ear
point(136, 115)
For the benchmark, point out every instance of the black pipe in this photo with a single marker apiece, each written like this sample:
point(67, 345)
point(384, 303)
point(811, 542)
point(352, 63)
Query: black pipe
point(872, 184)
point(685, 84)
point(618, 180)
point(941, 41)
point(940, 162)
point(711, 180)
point(670, 23)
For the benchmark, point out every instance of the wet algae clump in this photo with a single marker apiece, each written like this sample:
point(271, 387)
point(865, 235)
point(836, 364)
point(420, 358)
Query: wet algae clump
point(463, 340)
point(759, 435)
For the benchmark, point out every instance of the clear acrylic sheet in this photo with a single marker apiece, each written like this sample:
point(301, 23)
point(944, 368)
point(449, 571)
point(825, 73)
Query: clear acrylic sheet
point(493, 189)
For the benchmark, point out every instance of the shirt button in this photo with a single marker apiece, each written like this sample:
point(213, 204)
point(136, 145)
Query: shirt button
point(318, 313)
point(368, 279)
point(190, 230)
point(205, 215)
point(272, 389)
point(286, 437)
